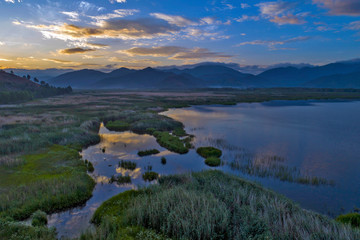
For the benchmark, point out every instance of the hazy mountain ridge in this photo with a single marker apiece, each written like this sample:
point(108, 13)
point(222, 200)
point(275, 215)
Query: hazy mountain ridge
point(12, 82)
point(213, 75)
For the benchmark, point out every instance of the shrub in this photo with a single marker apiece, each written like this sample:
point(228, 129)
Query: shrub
point(39, 219)
point(163, 160)
point(206, 152)
point(148, 152)
point(150, 176)
point(213, 161)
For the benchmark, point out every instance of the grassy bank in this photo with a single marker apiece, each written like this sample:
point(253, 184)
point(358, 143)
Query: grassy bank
point(213, 205)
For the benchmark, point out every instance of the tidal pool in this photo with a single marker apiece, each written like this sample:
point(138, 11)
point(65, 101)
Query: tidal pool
point(311, 138)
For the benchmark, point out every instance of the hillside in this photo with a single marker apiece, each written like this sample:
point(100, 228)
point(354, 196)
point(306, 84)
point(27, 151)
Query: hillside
point(351, 80)
point(78, 79)
point(11, 82)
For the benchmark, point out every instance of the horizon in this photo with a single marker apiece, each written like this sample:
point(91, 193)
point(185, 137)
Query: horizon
point(107, 35)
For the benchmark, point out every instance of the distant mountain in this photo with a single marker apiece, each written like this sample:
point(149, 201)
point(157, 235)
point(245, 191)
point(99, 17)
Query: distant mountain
point(149, 78)
point(351, 80)
point(12, 82)
point(41, 74)
point(217, 75)
point(78, 79)
point(295, 77)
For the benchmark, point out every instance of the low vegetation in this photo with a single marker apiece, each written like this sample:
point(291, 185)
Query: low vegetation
point(39, 219)
point(213, 205)
point(170, 142)
point(150, 176)
point(148, 152)
point(117, 126)
point(163, 160)
point(129, 165)
point(207, 152)
point(352, 219)
point(120, 179)
point(213, 161)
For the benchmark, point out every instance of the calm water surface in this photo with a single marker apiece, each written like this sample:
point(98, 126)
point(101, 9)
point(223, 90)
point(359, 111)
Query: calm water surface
point(319, 138)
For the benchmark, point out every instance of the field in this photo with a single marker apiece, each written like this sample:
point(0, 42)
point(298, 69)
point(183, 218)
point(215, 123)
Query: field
point(40, 168)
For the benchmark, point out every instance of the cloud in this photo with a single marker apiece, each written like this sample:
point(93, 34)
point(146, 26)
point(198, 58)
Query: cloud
point(118, 13)
point(174, 20)
point(75, 50)
point(2, 43)
point(281, 12)
point(272, 44)
point(354, 25)
point(174, 52)
point(118, 1)
point(287, 19)
point(73, 16)
point(12, 1)
point(244, 18)
point(154, 51)
point(5, 60)
point(244, 5)
point(340, 7)
point(119, 28)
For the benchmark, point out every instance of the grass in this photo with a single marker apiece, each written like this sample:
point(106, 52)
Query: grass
point(129, 165)
point(353, 219)
point(207, 152)
point(52, 180)
point(213, 161)
point(214, 205)
point(150, 176)
point(120, 179)
point(39, 219)
point(117, 126)
point(180, 132)
point(148, 152)
point(170, 142)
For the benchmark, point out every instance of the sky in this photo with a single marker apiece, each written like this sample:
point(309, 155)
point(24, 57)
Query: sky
point(109, 34)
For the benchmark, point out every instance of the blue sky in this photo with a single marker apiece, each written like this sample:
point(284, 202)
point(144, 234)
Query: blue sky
point(139, 33)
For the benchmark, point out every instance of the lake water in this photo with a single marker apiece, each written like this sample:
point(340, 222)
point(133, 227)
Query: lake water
point(316, 138)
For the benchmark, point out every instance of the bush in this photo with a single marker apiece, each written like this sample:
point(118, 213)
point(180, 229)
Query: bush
point(148, 152)
point(206, 152)
point(163, 160)
point(39, 219)
point(351, 218)
point(150, 176)
point(213, 161)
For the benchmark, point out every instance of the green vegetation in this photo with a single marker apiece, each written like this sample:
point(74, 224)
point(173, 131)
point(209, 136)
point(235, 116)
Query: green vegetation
point(117, 126)
point(120, 179)
point(18, 231)
point(213, 161)
point(150, 176)
point(89, 166)
point(39, 219)
point(213, 205)
point(163, 160)
point(352, 219)
point(148, 152)
point(206, 152)
point(180, 132)
point(52, 180)
point(127, 165)
point(168, 141)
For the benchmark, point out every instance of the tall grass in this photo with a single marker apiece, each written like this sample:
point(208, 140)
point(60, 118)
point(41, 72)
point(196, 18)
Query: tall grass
point(214, 205)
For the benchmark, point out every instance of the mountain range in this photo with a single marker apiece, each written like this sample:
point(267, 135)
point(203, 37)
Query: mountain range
point(334, 75)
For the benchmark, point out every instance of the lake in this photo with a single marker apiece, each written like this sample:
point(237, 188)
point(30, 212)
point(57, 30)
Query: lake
point(304, 139)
